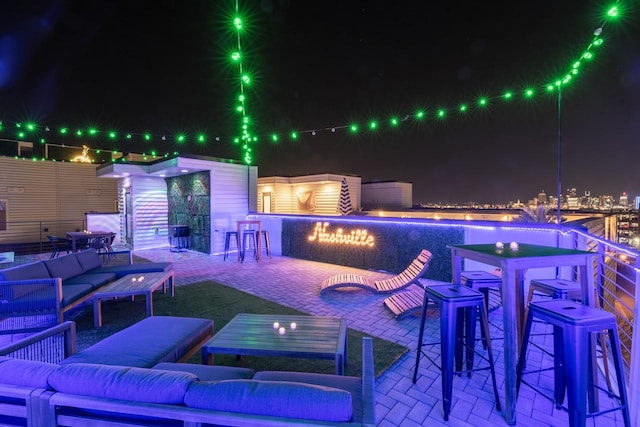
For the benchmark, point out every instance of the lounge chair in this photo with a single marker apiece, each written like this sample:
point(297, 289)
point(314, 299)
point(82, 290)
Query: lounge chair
point(409, 276)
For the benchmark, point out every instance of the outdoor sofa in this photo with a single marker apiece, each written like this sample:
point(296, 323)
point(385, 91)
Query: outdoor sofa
point(87, 392)
point(33, 294)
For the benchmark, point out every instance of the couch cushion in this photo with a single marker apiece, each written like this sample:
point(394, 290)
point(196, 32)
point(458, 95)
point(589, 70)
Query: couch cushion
point(27, 373)
point(64, 266)
point(70, 293)
point(207, 372)
point(143, 267)
point(35, 270)
point(88, 259)
point(152, 340)
point(95, 280)
point(348, 383)
point(273, 398)
point(122, 382)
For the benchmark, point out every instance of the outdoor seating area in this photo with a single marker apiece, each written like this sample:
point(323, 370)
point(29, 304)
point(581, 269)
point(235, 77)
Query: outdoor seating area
point(38, 294)
point(134, 377)
point(294, 282)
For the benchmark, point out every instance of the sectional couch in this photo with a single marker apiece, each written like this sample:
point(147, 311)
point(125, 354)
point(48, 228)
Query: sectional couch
point(86, 391)
point(45, 290)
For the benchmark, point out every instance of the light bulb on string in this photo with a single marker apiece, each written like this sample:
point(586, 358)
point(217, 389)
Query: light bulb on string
point(238, 55)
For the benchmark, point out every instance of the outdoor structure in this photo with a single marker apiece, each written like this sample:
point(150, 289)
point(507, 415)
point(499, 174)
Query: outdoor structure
point(387, 195)
point(308, 194)
point(40, 198)
point(205, 195)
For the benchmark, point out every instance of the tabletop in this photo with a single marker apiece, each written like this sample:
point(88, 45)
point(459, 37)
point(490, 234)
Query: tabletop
point(315, 337)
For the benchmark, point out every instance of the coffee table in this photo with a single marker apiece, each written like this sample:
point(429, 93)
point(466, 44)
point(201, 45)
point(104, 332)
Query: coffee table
point(130, 286)
point(314, 337)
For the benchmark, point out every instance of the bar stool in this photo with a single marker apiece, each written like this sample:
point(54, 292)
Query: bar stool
point(554, 288)
point(249, 242)
point(568, 290)
point(227, 241)
point(267, 246)
point(573, 325)
point(481, 281)
point(453, 300)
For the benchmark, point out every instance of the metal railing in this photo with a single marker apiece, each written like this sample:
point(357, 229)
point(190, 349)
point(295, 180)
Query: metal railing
point(30, 237)
point(617, 279)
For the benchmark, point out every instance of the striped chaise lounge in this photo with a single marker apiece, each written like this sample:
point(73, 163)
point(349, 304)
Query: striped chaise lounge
point(409, 276)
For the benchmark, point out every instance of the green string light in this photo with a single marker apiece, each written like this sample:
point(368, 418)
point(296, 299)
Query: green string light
point(248, 138)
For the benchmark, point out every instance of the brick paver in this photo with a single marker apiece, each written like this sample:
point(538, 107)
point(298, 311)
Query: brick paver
point(295, 283)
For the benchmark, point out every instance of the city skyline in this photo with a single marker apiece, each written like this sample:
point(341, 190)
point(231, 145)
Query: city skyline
point(162, 68)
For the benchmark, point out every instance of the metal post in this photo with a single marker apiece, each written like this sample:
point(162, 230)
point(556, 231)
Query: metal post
point(559, 213)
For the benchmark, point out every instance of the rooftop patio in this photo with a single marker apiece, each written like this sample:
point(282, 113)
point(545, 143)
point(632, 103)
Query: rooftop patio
point(295, 283)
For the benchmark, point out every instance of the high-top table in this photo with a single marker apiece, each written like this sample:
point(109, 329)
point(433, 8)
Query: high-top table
point(314, 337)
point(240, 223)
point(514, 264)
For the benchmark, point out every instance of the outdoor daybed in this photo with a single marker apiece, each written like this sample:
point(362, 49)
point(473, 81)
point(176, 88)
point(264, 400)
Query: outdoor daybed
point(52, 287)
point(180, 394)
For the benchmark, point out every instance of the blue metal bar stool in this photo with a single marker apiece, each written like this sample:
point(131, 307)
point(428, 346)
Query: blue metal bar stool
point(561, 289)
point(267, 246)
point(554, 288)
point(227, 242)
point(573, 359)
point(453, 300)
point(481, 281)
point(249, 242)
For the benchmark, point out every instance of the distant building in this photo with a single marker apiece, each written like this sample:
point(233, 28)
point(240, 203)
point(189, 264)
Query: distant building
point(317, 194)
point(387, 195)
point(624, 200)
point(542, 197)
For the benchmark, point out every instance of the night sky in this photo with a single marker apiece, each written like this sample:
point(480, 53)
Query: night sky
point(161, 67)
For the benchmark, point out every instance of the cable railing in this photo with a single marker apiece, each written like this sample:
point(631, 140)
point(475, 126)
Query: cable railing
point(617, 278)
point(30, 237)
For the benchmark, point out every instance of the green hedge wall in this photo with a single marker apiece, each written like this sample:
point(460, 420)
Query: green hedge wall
point(395, 245)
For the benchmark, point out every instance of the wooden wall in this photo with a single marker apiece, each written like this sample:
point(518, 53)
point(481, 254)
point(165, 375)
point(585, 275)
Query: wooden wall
point(307, 195)
point(46, 197)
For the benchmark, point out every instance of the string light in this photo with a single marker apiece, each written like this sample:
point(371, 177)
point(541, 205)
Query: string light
point(247, 138)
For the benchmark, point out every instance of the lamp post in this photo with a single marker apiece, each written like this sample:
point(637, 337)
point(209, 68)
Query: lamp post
point(559, 190)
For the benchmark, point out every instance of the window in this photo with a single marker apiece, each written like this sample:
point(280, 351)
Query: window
point(3, 214)
point(25, 149)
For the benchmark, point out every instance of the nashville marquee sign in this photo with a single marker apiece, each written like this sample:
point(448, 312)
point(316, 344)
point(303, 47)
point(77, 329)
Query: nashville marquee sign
point(357, 237)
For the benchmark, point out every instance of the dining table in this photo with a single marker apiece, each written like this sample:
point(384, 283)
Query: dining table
point(249, 222)
point(515, 260)
point(76, 236)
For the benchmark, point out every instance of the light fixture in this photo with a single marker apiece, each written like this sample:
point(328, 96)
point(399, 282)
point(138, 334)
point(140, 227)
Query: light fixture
point(184, 170)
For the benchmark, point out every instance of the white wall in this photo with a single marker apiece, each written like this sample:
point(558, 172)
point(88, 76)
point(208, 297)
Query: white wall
point(387, 195)
point(233, 196)
point(150, 212)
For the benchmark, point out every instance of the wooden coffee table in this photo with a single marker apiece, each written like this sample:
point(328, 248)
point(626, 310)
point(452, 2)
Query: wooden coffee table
point(130, 286)
point(314, 337)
